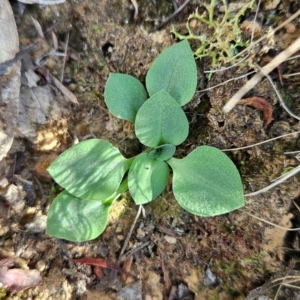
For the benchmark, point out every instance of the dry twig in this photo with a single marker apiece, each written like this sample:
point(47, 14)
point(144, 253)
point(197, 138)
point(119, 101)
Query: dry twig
point(130, 233)
point(279, 59)
point(180, 8)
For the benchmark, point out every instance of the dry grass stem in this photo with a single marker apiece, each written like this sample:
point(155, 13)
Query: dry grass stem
point(290, 75)
point(277, 182)
point(279, 59)
point(130, 233)
point(270, 223)
point(263, 142)
point(180, 8)
point(231, 79)
point(64, 59)
point(136, 8)
point(281, 99)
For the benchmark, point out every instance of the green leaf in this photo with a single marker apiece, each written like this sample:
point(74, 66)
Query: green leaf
point(160, 121)
point(163, 152)
point(147, 178)
point(174, 70)
point(206, 182)
point(75, 219)
point(92, 169)
point(124, 95)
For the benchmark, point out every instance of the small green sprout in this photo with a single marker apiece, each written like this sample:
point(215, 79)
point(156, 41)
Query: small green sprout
point(226, 36)
point(94, 173)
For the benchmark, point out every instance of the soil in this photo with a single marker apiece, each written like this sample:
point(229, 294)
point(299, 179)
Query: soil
point(172, 254)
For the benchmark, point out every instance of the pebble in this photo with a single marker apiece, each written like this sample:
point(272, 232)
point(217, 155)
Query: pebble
point(120, 237)
point(40, 265)
point(118, 229)
point(170, 239)
point(140, 233)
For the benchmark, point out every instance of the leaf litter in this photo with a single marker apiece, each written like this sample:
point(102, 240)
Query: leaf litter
point(261, 104)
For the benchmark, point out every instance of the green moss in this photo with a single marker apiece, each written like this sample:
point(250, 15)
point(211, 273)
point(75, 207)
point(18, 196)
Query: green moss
point(223, 36)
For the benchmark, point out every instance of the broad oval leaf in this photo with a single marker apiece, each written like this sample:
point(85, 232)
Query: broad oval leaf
point(174, 70)
point(163, 152)
point(124, 95)
point(206, 182)
point(75, 219)
point(160, 121)
point(147, 178)
point(92, 169)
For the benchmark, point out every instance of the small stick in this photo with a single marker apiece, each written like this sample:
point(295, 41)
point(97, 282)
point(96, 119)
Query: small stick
point(270, 223)
point(180, 8)
point(130, 233)
point(260, 143)
point(136, 8)
point(278, 181)
point(224, 82)
point(132, 251)
point(64, 60)
point(281, 99)
point(280, 58)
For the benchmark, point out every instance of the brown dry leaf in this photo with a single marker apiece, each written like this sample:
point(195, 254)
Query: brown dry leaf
point(17, 279)
point(100, 262)
point(261, 104)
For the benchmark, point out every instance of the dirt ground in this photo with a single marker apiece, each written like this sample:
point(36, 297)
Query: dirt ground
point(171, 254)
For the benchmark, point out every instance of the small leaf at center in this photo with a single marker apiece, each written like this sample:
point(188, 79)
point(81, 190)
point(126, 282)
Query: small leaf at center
point(163, 152)
point(160, 121)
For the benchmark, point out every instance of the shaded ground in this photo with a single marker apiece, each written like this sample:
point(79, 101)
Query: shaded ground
point(174, 248)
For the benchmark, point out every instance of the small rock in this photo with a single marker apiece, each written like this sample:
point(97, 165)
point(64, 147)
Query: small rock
point(131, 291)
point(210, 279)
point(140, 233)
point(119, 229)
point(120, 237)
point(39, 223)
point(170, 239)
point(3, 183)
point(183, 291)
point(40, 265)
point(142, 225)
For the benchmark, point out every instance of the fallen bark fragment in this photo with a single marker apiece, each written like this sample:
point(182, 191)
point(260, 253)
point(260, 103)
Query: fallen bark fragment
point(101, 262)
point(261, 104)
